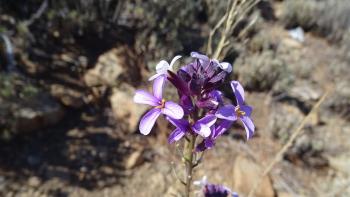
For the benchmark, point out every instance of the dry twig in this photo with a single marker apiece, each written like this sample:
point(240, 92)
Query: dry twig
point(289, 143)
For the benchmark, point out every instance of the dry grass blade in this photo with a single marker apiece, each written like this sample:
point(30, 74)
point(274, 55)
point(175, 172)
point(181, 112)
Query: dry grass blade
point(233, 16)
point(279, 155)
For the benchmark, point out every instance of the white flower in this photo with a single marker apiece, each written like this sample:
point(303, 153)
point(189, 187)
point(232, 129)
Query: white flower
point(163, 67)
point(202, 182)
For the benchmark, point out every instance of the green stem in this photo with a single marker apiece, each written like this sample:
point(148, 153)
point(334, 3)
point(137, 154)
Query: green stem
point(188, 154)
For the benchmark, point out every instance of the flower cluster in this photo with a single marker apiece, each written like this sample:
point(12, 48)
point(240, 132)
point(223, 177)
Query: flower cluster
point(201, 110)
point(213, 190)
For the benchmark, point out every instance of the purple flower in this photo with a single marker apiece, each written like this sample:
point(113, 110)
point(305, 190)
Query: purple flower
point(160, 106)
point(200, 127)
point(213, 190)
point(240, 112)
point(199, 77)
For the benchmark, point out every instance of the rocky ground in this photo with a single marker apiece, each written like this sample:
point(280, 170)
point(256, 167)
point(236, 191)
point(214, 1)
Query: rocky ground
point(69, 126)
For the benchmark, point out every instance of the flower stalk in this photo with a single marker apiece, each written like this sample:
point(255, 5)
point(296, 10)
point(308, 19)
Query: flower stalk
point(189, 162)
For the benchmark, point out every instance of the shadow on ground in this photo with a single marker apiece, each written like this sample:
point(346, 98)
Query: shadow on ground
point(84, 154)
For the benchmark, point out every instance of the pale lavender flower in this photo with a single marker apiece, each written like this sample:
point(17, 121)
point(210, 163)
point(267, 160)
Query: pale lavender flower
point(240, 112)
point(163, 66)
point(160, 106)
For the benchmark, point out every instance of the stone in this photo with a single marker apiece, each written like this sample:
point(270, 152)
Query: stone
point(68, 96)
point(340, 163)
point(134, 159)
point(116, 65)
point(126, 112)
point(245, 173)
point(41, 113)
point(34, 181)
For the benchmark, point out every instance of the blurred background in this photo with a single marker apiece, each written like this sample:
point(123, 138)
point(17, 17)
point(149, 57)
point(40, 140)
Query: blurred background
point(69, 69)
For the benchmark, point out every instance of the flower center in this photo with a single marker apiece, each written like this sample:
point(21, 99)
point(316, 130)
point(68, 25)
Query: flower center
point(239, 112)
point(162, 104)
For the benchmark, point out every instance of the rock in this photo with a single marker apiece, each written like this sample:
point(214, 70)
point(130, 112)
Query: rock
point(134, 159)
point(340, 163)
point(34, 181)
point(245, 173)
point(68, 96)
point(118, 64)
point(125, 110)
point(41, 113)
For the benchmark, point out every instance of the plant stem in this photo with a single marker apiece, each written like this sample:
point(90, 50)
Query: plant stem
point(188, 154)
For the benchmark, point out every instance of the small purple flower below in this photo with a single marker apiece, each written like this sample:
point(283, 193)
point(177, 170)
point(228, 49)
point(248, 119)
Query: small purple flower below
point(160, 106)
point(213, 190)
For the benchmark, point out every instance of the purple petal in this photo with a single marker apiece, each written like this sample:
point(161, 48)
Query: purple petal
point(238, 91)
point(218, 77)
point(158, 85)
point(179, 123)
point(209, 143)
point(180, 85)
point(202, 126)
point(173, 110)
point(143, 97)
point(176, 135)
point(200, 56)
point(186, 104)
point(148, 120)
point(227, 112)
point(207, 103)
point(202, 130)
point(208, 120)
point(217, 95)
point(247, 109)
point(221, 128)
point(248, 125)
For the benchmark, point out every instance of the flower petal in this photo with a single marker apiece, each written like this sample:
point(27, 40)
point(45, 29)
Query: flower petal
point(162, 67)
point(179, 123)
point(221, 128)
point(209, 143)
point(238, 91)
point(202, 130)
point(208, 120)
point(227, 112)
point(176, 135)
point(247, 109)
point(173, 110)
point(200, 56)
point(248, 125)
point(226, 66)
point(143, 97)
point(158, 85)
point(155, 76)
point(173, 61)
point(148, 120)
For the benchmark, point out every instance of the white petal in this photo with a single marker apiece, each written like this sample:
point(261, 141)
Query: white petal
point(173, 61)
